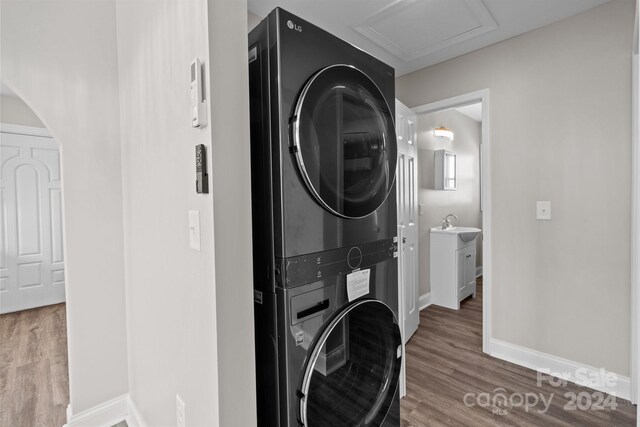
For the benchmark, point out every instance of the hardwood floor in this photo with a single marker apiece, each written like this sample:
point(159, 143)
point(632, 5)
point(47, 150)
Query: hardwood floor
point(34, 384)
point(445, 362)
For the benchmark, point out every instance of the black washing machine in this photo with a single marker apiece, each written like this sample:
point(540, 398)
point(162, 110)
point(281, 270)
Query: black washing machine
point(323, 157)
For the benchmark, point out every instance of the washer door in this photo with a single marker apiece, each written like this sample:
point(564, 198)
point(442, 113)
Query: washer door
point(352, 373)
point(344, 141)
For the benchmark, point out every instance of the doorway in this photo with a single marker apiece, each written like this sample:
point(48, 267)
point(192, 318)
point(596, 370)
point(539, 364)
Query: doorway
point(475, 104)
point(32, 251)
point(421, 207)
point(33, 327)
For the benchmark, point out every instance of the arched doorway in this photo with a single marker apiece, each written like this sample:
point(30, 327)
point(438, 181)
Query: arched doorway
point(32, 269)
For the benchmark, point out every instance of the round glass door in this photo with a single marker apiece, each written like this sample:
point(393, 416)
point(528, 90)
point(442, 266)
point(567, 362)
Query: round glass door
point(344, 141)
point(352, 374)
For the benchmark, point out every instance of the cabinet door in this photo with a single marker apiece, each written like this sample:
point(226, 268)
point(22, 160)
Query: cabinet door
point(470, 267)
point(461, 267)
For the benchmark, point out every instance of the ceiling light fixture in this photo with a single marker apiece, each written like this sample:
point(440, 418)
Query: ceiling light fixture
point(444, 132)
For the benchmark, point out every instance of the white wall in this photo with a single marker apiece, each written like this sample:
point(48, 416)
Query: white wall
point(561, 131)
point(190, 319)
point(231, 174)
point(465, 200)
point(252, 20)
point(13, 110)
point(60, 58)
point(170, 287)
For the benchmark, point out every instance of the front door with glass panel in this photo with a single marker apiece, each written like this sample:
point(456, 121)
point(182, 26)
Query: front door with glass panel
point(351, 375)
point(344, 141)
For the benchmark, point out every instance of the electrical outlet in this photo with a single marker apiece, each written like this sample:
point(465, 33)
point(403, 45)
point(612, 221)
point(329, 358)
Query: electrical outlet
point(180, 413)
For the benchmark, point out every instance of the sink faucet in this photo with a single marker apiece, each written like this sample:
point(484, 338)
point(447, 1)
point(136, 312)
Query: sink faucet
point(446, 221)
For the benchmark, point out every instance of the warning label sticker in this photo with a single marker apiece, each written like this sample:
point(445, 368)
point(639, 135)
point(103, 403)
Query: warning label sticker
point(358, 284)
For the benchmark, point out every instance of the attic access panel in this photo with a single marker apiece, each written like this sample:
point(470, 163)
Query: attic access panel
point(411, 29)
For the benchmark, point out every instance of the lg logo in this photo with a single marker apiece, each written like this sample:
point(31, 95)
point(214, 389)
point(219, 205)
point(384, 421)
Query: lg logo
point(293, 26)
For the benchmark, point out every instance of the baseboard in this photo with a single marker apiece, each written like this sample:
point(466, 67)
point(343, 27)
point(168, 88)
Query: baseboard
point(478, 271)
point(105, 414)
point(424, 301)
point(134, 419)
point(574, 372)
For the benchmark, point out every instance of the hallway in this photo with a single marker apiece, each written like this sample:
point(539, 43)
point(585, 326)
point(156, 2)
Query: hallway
point(445, 362)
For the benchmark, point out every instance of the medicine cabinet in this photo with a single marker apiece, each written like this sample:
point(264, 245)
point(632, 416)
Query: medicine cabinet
point(445, 169)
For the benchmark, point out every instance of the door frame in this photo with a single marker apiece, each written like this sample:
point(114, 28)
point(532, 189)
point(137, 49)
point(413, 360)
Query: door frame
point(635, 216)
point(485, 195)
point(24, 130)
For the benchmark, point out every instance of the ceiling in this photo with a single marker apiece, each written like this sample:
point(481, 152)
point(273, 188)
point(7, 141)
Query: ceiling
point(473, 111)
point(414, 34)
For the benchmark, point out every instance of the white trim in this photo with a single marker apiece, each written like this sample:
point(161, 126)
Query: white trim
point(635, 234)
point(424, 301)
point(402, 314)
point(478, 271)
point(134, 418)
point(635, 216)
point(485, 193)
point(24, 130)
point(455, 101)
point(105, 414)
point(574, 372)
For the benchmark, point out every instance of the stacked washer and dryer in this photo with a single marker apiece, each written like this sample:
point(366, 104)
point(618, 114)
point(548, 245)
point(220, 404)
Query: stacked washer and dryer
point(323, 158)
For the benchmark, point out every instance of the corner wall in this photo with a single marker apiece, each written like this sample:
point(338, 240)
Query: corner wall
point(561, 131)
point(60, 58)
point(231, 175)
point(171, 288)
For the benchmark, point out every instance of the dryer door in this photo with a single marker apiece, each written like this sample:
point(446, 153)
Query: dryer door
point(344, 141)
point(352, 373)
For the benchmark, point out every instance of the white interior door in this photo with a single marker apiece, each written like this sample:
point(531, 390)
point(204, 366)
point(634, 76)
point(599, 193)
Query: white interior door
point(407, 193)
point(31, 249)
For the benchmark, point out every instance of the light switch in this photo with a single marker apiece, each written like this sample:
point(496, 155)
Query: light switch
point(194, 230)
point(543, 210)
point(420, 210)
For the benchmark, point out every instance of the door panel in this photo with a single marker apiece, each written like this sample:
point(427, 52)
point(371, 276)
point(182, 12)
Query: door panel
point(470, 267)
point(31, 258)
point(406, 178)
point(461, 270)
point(407, 196)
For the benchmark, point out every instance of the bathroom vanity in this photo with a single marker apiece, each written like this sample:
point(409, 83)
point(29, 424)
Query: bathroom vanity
point(453, 265)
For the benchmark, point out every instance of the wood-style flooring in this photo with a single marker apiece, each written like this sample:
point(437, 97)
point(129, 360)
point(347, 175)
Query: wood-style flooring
point(445, 362)
point(34, 385)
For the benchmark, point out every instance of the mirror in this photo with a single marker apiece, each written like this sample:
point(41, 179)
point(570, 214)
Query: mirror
point(445, 170)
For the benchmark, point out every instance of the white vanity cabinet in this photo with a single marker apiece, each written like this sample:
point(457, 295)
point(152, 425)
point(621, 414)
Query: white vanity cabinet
point(453, 265)
point(466, 271)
